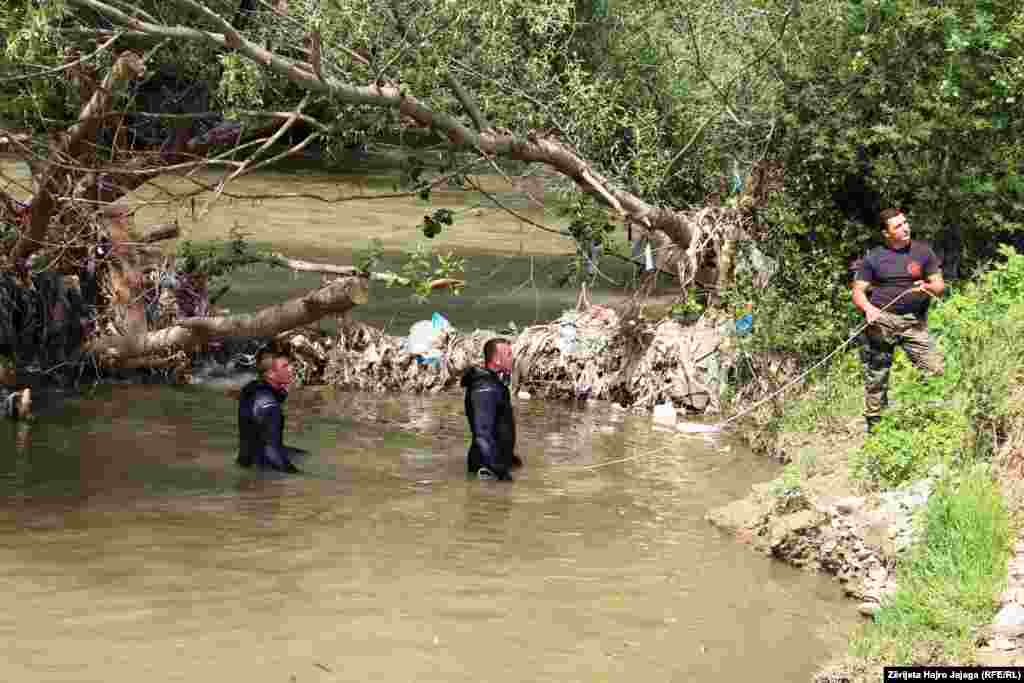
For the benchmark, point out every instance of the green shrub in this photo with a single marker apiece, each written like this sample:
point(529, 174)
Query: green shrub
point(907, 443)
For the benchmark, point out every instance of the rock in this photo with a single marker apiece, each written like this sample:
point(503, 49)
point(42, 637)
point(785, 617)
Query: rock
point(1003, 643)
point(849, 505)
point(1009, 620)
point(739, 514)
point(784, 527)
point(878, 574)
point(868, 609)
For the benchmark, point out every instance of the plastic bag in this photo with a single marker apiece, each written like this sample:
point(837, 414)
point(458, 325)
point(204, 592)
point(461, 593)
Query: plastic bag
point(425, 334)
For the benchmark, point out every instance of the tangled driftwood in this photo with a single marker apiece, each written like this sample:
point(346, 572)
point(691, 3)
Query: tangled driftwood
point(634, 362)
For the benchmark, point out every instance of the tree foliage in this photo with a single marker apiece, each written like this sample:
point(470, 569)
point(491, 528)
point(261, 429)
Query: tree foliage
point(856, 103)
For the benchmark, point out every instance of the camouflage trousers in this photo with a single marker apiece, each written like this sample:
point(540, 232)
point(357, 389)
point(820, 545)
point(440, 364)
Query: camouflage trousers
point(882, 338)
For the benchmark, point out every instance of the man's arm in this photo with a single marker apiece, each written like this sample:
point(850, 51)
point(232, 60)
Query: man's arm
point(268, 415)
point(934, 285)
point(860, 300)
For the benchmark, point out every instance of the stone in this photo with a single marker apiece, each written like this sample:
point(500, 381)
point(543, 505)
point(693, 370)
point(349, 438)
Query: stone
point(849, 505)
point(1003, 643)
point(868, 609)
point(783, 527)
point(525, 395)
point(1009, 620)
point(878, 574)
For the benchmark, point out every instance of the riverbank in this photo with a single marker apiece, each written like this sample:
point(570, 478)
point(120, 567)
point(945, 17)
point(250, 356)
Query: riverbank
point(918, 519)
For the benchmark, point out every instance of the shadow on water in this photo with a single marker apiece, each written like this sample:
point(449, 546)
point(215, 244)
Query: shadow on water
point(138, 550)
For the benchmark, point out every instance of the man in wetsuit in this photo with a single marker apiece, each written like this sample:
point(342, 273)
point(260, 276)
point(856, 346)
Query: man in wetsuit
point(261, 420)
point(489, 411)
point(903, 276)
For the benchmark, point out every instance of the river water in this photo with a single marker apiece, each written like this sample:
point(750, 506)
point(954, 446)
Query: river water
point(132, 549)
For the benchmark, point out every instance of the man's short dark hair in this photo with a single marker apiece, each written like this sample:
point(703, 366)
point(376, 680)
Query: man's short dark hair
point(265, 360)
point(887, 215)
point(491, 347)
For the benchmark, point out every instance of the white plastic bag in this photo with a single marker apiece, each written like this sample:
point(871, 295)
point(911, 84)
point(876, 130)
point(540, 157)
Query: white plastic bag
point(421, 337)
point(426, 334)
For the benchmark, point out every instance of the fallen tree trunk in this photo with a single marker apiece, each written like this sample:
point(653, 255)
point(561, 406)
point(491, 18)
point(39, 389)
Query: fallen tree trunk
point(193, 333)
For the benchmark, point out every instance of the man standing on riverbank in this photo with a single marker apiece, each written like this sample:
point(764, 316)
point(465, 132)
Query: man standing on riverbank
point(489, 411)
point(261, 420)
point(903, 276)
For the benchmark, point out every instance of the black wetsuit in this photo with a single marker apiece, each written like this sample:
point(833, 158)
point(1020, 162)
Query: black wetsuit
point(489, 411)
point(261, 429)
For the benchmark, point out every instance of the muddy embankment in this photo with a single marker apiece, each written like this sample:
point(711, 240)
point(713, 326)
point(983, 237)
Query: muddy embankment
point(821, 523)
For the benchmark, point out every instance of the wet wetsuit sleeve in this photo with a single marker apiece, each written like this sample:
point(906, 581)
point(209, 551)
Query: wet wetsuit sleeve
point(485, 400)
point(267, 413)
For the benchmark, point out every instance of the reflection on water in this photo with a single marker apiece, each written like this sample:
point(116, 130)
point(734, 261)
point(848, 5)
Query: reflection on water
point(131, 548)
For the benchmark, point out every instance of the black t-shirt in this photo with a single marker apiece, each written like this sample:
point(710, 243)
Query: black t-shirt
point(893, 271)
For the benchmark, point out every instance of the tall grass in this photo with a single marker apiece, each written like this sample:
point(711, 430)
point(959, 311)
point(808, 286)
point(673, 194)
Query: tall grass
point(948, 586)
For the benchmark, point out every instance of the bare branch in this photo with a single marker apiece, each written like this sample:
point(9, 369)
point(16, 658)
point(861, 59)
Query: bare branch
point(163, 231)
point(350, 271)
point(490, 142)
point(128, 65)
point(466, 101)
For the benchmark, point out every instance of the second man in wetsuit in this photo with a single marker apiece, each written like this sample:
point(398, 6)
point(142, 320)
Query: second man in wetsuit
point(489, 411)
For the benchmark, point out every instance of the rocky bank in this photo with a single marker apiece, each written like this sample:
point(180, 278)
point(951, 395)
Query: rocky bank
point(822, 525)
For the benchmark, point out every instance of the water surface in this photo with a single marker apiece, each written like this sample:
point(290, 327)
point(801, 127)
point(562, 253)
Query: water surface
point(131, 548)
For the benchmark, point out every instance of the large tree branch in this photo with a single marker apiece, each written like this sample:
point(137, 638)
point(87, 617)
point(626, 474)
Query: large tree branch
point(466, 101)
point(189, 334)
point(127, 66)
point(532, 148)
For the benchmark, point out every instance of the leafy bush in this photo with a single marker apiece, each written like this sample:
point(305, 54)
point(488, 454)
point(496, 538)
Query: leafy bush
point(908, 442)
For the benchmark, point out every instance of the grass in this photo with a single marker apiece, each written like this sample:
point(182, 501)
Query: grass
point(948, 587)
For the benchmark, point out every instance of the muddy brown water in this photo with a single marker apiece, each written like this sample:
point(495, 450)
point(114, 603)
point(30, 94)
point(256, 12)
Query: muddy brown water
point(131, 548)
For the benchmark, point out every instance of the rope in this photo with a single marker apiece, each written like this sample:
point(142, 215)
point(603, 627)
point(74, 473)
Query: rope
point(751, 408)
point(801, 376)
